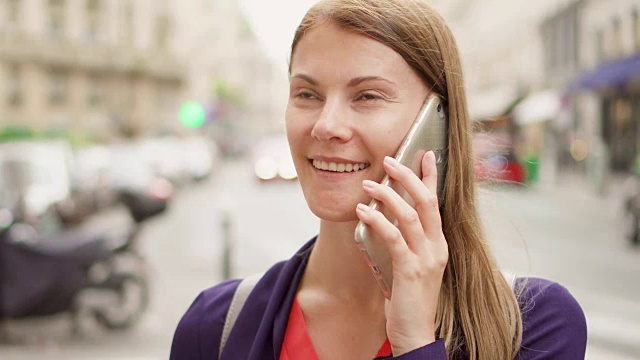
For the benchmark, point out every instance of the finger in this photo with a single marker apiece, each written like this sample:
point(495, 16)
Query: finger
point(390, 235)
point(430, 171)
point(430, 207)
point(426, 200)
point(407, 217)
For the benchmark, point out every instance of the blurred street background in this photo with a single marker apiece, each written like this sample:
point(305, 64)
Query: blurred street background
point(142, 151)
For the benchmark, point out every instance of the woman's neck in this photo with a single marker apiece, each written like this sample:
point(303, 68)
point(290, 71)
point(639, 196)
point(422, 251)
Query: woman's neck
point(337, 269)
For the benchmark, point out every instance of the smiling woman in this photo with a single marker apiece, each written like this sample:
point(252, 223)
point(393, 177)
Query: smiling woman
point(352, 114)
point(360, 71)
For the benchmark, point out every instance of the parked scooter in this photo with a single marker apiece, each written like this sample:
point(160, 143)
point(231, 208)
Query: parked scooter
point(70, 271)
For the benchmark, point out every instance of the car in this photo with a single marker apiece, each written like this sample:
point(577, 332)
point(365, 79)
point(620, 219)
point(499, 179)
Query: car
point(272, 160)
point(166, 156)
point(48, 168)
point(495, 160)
point(25, 197)
point(143, 192)
point(200, 157)
point(92, 177)
point(501, 167)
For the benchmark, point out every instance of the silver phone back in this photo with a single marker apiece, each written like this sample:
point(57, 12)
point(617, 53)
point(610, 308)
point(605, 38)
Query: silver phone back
point(428, 132)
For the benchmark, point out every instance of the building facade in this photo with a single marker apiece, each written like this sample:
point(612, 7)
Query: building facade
point(94, 66)
point(221, 51)
point(608, 89)
point(502, 49)
point(582, 50)
point(590, 49)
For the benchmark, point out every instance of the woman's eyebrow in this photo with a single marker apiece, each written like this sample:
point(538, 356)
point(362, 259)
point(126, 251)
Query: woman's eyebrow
point(306, 78)
point(353, 82)
point(357, 81)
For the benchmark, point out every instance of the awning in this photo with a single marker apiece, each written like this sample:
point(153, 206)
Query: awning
point(492, 103)
point(610, 74)
point(539, 106)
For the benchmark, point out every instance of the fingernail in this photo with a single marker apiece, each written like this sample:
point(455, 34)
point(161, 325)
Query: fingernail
point(368, 184)
point(362, 207)
point(432, 157)
point(391, 161)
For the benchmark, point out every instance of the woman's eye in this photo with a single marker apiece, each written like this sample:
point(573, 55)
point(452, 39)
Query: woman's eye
point(305, 95)
point(369, 97)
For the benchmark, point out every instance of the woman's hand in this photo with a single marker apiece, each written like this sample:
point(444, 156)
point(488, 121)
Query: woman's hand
point(418, 251)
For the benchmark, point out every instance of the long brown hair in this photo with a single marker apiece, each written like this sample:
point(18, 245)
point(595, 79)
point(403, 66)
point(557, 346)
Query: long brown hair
point(478, 313)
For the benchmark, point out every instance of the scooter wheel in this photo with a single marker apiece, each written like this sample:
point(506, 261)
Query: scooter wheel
point(133, 296)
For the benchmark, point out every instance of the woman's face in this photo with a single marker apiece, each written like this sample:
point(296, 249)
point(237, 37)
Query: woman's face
point(351, 102)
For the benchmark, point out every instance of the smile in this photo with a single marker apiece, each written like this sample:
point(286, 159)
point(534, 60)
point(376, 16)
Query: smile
point(339, 167)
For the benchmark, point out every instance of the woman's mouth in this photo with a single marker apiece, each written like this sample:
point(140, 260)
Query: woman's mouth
point(339, 166)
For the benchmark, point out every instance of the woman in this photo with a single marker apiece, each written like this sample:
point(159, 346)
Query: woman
point(359, 72)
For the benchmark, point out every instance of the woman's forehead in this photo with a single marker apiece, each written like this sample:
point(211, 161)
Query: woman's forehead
point(328, 50)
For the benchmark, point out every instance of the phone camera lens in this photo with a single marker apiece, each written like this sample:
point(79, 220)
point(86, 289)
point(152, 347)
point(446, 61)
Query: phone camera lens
point(439, 157)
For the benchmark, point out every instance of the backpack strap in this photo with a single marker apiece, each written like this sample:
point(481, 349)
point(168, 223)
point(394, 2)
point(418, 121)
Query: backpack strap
point(237, 302)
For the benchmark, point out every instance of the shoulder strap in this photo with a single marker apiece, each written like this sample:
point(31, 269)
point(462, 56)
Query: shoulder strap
point(237, 302)
point(511, 279)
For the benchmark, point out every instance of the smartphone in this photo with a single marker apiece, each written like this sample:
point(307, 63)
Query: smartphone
point(428, 133)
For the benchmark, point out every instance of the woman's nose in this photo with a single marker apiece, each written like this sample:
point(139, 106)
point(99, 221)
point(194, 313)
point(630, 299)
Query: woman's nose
point(332, 124)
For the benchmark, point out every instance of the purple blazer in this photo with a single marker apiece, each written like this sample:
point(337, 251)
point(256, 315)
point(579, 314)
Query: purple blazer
point(554, 324)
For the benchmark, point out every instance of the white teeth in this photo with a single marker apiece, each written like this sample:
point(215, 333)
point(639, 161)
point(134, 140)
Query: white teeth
point(341, 167)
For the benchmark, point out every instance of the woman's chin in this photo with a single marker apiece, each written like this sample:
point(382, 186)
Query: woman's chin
point(333, 213)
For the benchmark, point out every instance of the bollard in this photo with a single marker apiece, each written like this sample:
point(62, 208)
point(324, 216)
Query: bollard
point(227, 243)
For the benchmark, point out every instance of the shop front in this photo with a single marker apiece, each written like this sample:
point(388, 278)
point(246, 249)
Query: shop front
point(617, 85)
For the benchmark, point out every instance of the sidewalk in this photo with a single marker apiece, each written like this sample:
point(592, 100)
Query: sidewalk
point(613, 322)
point(577, 186)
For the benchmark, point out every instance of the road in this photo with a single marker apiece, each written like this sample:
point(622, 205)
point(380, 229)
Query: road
point(562, 233)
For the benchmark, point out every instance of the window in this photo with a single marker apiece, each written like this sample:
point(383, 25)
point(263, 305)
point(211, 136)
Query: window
point(58, 88)
point(549, 39)
point(93, 6)
point(245, 28)
point(577, 27)
point(565, 36)
point(14, 86)
point(622, 113)
point(616, 51)
point(162, 31)
point(128, 18)
point(635, 28)
point(13, 11)
point(572, 32)
point(93, 20)
point(554, 44)
point(600, 51)
point(131, 94)
point(95, 92)
point(56, 19)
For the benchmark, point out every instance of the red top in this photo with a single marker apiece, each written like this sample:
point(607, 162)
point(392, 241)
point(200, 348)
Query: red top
point(297, 344)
